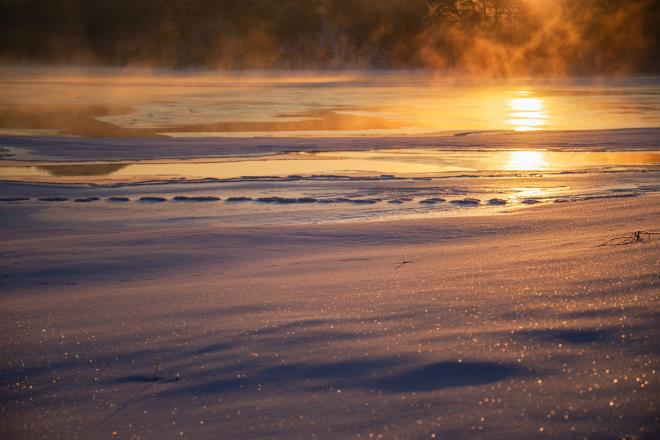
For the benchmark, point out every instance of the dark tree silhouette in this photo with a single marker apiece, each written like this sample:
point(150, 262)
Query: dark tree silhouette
point(505, 36)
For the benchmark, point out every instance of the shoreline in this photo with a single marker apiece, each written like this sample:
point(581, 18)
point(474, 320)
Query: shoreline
point(81, 149)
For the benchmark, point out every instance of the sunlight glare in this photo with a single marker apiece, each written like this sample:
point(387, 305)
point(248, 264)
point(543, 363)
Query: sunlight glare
point(526, 114)
point(526, 104)
point(526, 160)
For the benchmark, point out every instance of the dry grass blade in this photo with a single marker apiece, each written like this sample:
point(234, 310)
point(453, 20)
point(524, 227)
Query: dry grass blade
point(404, 260)
point(633, 237)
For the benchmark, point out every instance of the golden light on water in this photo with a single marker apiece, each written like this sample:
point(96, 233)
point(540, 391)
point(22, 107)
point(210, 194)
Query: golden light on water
point(526, 113)
point(526, 160)
point(401, 162)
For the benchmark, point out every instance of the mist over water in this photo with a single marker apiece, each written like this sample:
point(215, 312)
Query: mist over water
point(138, 103)
point(460, 37)
point(119, 68)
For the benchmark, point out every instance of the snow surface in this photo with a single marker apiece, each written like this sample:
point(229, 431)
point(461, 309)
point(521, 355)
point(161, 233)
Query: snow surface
point(488, 326)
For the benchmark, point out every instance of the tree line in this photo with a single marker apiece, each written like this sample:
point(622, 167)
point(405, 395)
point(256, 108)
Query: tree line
point(494, 37)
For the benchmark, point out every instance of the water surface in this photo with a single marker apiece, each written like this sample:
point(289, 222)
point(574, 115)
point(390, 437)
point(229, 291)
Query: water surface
point(260, 148)
point(133, 103)
point(388, 163)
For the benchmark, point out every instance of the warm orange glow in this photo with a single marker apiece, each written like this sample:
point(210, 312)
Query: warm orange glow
point(526, 160)
point(526, 104)
point(526, 113)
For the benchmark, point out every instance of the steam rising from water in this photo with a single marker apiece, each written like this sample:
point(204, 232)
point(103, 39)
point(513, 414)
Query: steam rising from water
point(466, 37)
point(132, 103)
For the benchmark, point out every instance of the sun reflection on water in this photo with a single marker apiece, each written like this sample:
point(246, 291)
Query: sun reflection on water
point(526, 113)
point(526, 160)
